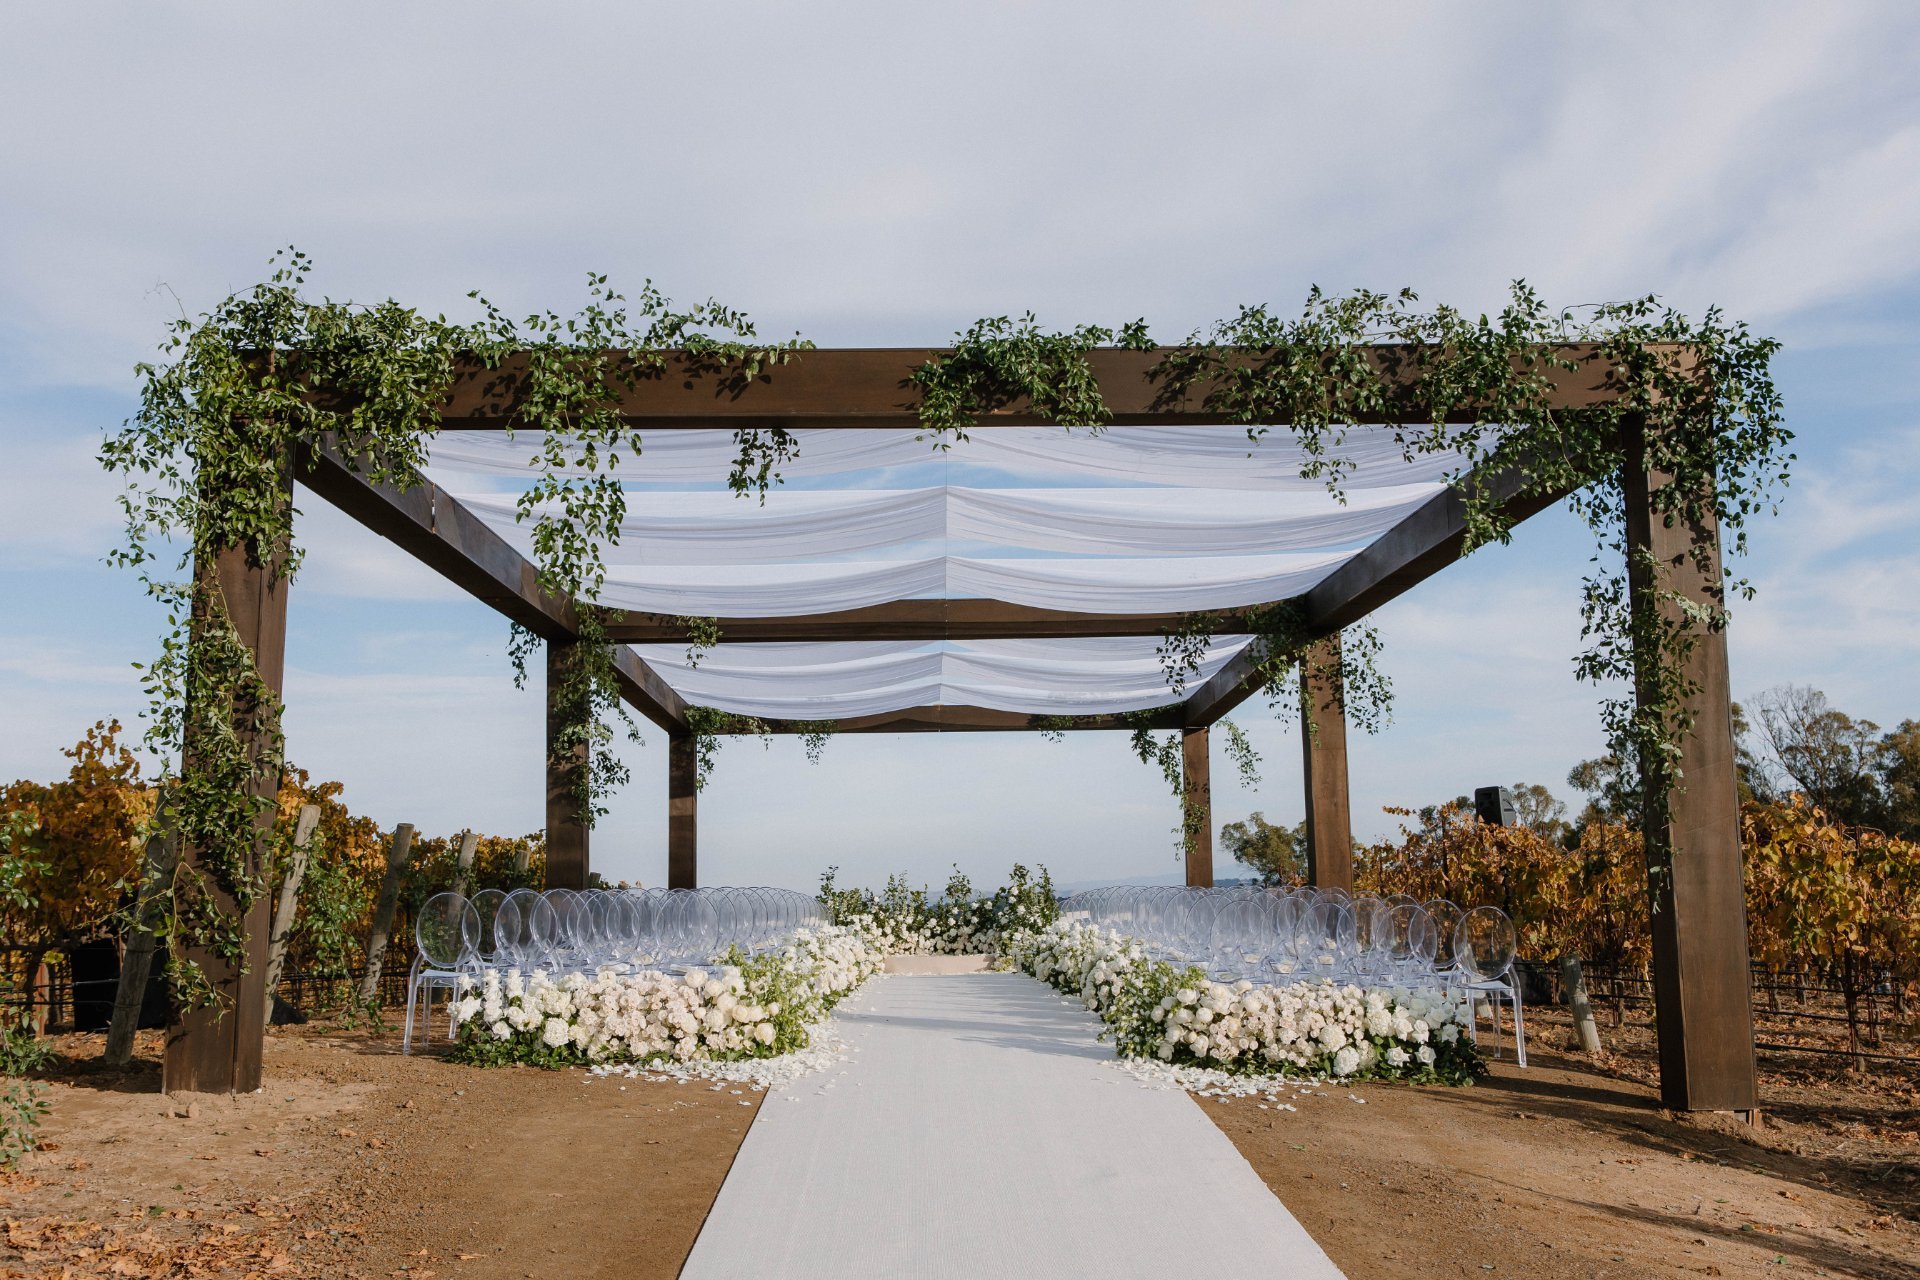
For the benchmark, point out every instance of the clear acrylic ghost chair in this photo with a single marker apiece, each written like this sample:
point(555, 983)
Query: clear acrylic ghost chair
point(1372, 926)
point(1483, 947)
point(1412, 946)
point(569, 907)
point(1232, 932)
point(1283, 954)
point(486, 905)
point(1329, 939)
point(596, 929)
point(509, 930)
point(1446, 919)
point(513, 931)
point(444, 933)
point(525, 932)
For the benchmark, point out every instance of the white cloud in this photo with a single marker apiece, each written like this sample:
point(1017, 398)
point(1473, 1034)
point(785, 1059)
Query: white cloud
point(57, 506)
point(874, 172)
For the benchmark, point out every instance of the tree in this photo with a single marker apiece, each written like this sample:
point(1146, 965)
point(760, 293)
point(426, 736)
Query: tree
point(1278, 853)
point(1749, 772)
point(85, 838)
point(1612, 787)
point(81, 845)
point(1588, 901)
point(1900, 779)
point(1538, 810)
point(1826, 755)
point(1843, 899)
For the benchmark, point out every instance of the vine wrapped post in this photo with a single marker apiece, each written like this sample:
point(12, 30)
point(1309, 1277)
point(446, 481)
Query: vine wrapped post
point(1690, 806)
point(683, 811)
point(1323, 756)
point(217, 1047)
point(568, 759)
point(1196, 804)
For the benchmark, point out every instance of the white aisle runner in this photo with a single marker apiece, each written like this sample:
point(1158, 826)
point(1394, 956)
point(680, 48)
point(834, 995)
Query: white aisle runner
point(977, 1132)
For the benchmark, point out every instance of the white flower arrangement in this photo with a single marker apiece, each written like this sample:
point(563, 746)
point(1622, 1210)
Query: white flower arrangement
point(1317, 1028)
point(742, 1008)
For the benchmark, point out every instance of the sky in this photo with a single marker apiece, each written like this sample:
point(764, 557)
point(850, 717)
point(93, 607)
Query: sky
point(885, 174)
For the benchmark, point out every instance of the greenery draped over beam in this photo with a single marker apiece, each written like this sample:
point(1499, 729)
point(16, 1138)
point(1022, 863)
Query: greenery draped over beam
point(709, 725)
point(1695, 401)
point(269, 373)
point(244, 389)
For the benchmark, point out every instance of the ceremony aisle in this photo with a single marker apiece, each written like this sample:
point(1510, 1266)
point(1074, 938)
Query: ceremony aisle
point(978, 1130)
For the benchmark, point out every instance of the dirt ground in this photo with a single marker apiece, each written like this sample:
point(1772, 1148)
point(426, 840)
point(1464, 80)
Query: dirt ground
point(1569, 1169)
point(358, 1162)
point(355, 1161)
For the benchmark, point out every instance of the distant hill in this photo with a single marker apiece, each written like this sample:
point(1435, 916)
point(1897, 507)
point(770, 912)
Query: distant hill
point(1163, 877)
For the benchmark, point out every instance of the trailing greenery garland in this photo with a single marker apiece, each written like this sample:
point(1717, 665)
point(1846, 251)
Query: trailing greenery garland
point(239, 395)
point(243, 391)
point(1694, 402)
point(709, 725)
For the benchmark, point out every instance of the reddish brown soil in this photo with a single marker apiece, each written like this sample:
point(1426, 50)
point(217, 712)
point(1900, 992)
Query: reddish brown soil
point(1571, 1169)
point(355, 1161)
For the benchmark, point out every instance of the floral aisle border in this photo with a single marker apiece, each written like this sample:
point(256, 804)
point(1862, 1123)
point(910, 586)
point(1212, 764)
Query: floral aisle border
point(907, 921)
point(770, 1006)
point(1320, 1029)
point(745, 1007)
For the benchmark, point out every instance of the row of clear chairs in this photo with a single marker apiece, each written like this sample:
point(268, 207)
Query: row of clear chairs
point(570, 931)
point(1282, 935)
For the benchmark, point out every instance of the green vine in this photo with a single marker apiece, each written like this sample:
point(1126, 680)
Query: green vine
point(1692, 402)
point(1000, 362)
point(710, 724)
point(1285, 649)
point(702, 634)
point(239, 398)
point(245, 392)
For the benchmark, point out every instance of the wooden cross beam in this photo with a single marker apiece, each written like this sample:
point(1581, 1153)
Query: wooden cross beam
point(435, 529)
point(1425, 542)
point(925, 620)
point(873, 387)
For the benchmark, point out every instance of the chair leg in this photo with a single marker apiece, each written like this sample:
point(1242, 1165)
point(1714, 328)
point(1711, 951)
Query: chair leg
point(406, 1038)
point(1519, 1026)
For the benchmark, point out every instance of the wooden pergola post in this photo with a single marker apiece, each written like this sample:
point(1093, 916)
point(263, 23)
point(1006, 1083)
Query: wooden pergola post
point(683, 811)
point(217, 1049)
point(567, 861)
point(1323, 754)
point(1697, 884)
point(1196, 804)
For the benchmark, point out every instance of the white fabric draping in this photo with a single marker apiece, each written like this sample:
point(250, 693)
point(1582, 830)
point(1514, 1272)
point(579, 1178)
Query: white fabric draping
point(1213, 457)
point(836, 681)
point(707, 527)
point(1129, 520)
point(1106, 585)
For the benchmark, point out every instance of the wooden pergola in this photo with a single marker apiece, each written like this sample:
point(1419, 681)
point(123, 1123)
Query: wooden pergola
point(1699, 923)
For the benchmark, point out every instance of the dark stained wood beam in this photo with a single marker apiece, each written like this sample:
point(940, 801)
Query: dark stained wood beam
point(1699, 904)
point(683, 811)
point(1196, 805)
point(872, 387)
point(1323, 760)
point(569, 833)
point(1427, 541)
point(436, 530)
point(928, 620)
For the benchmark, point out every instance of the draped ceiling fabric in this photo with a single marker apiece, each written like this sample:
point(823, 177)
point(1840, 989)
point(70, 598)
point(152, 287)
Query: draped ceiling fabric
point(1131, 520)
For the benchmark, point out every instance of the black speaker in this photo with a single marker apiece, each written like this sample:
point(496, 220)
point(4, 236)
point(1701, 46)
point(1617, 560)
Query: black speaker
point(1494, 805)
